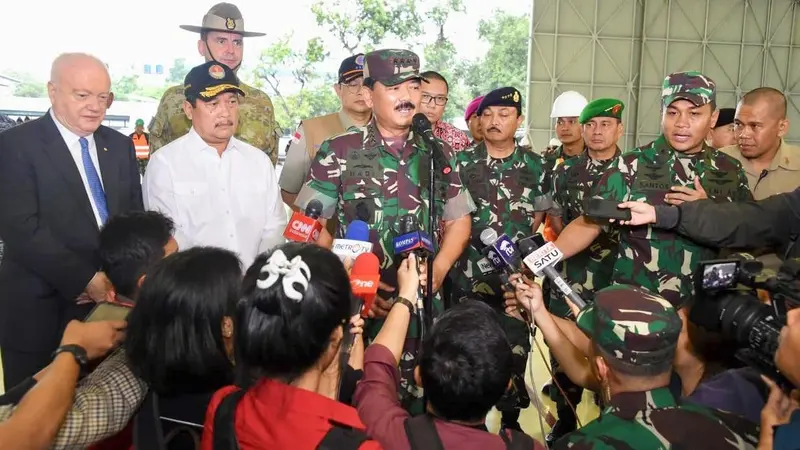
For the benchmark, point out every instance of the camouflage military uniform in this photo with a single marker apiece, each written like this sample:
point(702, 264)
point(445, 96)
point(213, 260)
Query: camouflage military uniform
point(358, 175)
point(257, 124)
point(636, 328)
point(507, 192)
point(660, 260)
point(591, 269)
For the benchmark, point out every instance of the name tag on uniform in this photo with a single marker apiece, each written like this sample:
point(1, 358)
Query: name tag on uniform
point(485, 266)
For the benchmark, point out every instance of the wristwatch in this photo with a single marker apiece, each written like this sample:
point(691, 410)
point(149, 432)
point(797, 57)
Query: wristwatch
point(77, 351)
point(407, 303)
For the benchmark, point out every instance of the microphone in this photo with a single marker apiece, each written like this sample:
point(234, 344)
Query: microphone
point(355, 242)
point(541, 261)
point(501, 251)
point(364, 279)
point(304, 227)
point(504, 257)
point(422, 126)
point(411, 239)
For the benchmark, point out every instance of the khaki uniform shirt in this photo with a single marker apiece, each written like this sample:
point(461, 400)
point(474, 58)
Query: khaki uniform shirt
point(298, 161)
point(782, 176)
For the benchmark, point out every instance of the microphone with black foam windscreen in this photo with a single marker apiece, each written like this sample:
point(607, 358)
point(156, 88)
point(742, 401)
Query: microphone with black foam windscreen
point(422, 126)
point(541, 261)
point(411, 239)
point(504, 257)
point(305, 227)
point(355, 242)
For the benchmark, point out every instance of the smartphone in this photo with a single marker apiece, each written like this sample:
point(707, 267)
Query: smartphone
point(605, 209)
point(108, 311)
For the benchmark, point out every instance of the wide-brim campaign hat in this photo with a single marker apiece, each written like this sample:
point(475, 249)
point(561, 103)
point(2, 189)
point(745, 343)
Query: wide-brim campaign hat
point(224, 17)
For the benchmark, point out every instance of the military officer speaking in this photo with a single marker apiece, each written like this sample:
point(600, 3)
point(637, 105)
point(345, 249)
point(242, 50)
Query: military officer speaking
point(506, 182)
point(312, 132)
point(590, 269)
point(378, 174)
point(677, 167)
point(221, 40)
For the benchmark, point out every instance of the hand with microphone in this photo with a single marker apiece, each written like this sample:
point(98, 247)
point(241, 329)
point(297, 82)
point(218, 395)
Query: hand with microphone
point(356, 242)
point(412, 240)
point(305, 227)
point(541, 261)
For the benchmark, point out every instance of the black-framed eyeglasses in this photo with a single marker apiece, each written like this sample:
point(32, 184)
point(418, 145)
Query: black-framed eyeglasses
point(353, 87)
point(440, 100)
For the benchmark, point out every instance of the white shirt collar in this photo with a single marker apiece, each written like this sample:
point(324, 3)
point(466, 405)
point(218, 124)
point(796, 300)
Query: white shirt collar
point(69, 137)
point(195, 142)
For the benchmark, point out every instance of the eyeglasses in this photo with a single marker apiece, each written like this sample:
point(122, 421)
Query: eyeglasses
point(353, 88)
point(440, 100)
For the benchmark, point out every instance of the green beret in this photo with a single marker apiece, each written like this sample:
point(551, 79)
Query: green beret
point(602, 107)
point(632, 325)
point(505, 96)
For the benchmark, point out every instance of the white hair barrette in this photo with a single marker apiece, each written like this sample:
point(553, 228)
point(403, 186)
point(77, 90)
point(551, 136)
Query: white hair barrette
point(291, 272)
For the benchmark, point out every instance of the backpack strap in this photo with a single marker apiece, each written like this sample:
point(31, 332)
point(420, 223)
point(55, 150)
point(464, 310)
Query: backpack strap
point(342, 438)
point(422, 434)
point(517, 440)
point(224, 426)
point(147, 430)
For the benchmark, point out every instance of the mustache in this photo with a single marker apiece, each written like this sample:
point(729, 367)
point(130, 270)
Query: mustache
point(405, 105)
point(493, 129)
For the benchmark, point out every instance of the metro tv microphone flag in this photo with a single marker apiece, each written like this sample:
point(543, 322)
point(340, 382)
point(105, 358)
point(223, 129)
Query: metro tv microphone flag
point(305, 227)
point(355, 242)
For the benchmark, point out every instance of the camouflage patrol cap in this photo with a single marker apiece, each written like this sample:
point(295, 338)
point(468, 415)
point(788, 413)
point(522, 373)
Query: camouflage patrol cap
point(632, 324)
point(224, 17)
point(602, 107)
point(391, 67)
point(693, 86)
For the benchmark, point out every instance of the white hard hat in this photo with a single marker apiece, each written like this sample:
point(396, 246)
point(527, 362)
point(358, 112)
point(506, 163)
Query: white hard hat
point(568, 104)
point(554, 143)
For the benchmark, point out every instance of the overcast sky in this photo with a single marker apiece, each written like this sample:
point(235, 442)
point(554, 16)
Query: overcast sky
point(146, 31)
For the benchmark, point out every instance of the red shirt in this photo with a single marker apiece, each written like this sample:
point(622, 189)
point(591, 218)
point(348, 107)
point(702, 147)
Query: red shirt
point(275, 415)
point(457, 139)
point(379, 408)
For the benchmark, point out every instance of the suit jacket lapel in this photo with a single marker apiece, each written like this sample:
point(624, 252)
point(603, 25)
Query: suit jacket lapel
point(59, 154)
point(109, 171)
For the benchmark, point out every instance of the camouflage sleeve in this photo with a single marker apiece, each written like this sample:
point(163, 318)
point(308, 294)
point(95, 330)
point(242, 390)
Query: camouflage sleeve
point(743, 191)
point(273, 130)
point(540, 193)
point(459, 202)
point(557, 191)
point(324, 181)
point(159, 134)
point(616, 183)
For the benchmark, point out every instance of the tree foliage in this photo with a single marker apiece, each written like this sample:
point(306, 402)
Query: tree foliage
point(504, 62)
point(360, 24)
point(441, 56)
point(293, 80)
point(178, 71)
point(28, 85)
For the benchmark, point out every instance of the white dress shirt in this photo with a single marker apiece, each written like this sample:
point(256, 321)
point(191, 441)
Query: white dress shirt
point(231, 201)
point(73, 144)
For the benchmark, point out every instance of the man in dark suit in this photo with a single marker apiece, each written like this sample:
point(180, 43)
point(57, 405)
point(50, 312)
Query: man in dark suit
point(61, 177)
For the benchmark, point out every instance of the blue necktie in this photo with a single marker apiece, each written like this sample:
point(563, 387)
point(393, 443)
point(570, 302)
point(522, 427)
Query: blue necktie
point(93, 179)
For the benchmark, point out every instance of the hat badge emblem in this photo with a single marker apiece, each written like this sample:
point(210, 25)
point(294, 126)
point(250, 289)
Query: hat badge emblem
point(230, 24)
point(216, 71)
point(516, 97)
point(360, 60)
point(615, 109)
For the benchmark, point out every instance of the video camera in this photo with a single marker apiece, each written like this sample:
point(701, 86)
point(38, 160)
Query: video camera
point(727, 303)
